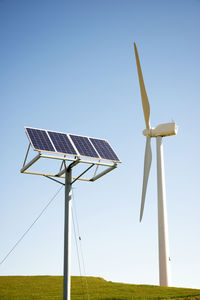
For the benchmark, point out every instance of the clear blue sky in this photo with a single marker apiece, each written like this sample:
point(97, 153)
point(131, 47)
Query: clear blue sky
point(69, 66)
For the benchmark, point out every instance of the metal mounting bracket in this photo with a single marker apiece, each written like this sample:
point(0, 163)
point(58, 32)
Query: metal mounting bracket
point(109, 166)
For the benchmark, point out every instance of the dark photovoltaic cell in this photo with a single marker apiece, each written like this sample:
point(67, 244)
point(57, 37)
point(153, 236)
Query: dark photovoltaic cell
point(84, 146)
point(104, 149)
point(62, 143)
point(40, 139)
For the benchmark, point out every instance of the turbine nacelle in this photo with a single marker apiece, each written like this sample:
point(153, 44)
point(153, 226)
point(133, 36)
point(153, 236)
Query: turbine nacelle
point(165, 129)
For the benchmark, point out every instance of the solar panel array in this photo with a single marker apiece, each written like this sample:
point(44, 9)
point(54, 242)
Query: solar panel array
point(57, 142)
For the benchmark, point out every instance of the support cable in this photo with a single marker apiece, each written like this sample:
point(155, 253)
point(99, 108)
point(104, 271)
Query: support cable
point(80, 244)
point(79, 263)
point(29, 228)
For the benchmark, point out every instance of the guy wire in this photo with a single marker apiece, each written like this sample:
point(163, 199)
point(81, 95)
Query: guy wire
point(80, 240)
point(29, 228)
point(79, 264)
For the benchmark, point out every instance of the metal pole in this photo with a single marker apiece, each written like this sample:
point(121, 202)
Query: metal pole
point(67, 235)
point(162, 218)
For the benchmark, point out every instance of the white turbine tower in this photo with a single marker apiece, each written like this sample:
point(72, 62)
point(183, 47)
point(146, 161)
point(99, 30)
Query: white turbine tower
point(158, 132)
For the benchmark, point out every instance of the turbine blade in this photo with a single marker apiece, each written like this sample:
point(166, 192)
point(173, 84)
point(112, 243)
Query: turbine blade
point(147, 166)
point(145, 101)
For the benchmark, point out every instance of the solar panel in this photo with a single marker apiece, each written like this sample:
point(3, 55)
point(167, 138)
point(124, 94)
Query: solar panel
point(84, 146)
point(51, 141)
point(104, 149)
point(40, 139)
point(62, 143)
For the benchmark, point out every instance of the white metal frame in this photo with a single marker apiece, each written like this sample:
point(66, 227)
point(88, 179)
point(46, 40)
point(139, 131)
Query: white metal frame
point(61, 173)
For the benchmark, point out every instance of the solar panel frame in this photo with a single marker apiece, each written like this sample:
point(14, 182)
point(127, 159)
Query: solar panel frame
point(69, 140)
point(90, 144)
point(112, 153)
point(32, 143)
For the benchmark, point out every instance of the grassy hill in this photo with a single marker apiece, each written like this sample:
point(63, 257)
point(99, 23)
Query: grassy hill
point(50, 287)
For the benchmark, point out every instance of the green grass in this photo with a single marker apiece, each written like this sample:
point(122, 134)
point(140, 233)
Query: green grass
point(50, 288)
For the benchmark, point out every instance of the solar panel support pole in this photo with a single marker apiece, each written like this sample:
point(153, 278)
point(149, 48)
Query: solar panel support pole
point(67, 234)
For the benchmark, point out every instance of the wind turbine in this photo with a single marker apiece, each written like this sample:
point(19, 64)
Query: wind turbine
point(158, 132)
